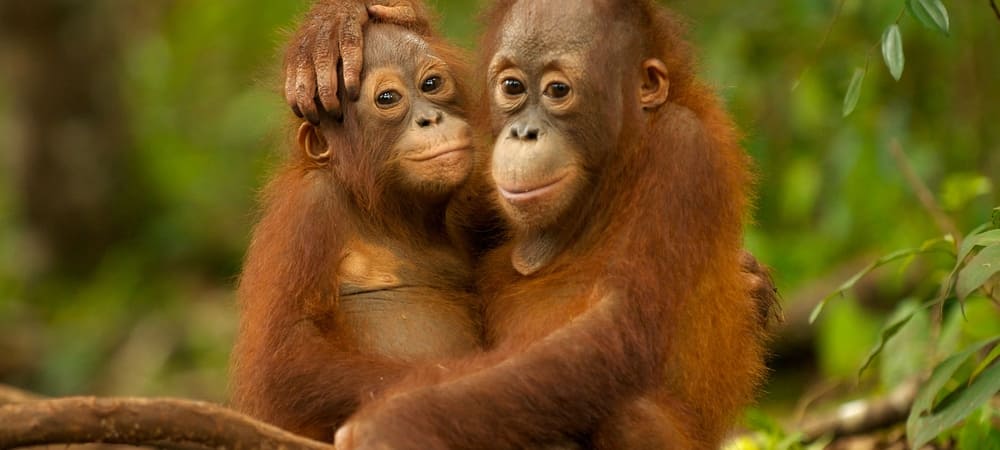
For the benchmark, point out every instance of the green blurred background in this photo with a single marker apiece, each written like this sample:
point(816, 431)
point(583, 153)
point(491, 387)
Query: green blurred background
point(134, 136)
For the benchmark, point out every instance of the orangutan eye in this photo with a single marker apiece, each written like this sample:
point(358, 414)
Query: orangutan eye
point(556, 90)
point(386, 99)
point(431, 84)
point(512, 86)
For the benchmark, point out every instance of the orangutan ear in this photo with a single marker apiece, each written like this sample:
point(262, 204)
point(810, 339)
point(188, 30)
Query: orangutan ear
point(313, 144)
point(655, 86)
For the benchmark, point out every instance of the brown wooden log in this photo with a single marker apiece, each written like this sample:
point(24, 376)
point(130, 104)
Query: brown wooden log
point(139, 421)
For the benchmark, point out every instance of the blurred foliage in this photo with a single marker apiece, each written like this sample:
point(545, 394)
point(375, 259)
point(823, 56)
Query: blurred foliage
point(206, 121)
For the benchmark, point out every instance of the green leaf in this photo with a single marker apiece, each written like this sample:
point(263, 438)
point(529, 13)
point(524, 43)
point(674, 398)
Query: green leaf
point(758, 420)
point(989, 359)
point(894, 256)
point(790, 442)
point(996, 217)
point(900, 318)
point(951, 333)
point(986, 239)
point(844, 338)
point(945, 244)
point(854, 91)
point(905, 355)
point(931, 13)
point(978, 271)
point(959, 189)
point(974, 239)
point(892, 51)
point(980, 319)
point(978, 433)
point(821, 443)
point(927, 420)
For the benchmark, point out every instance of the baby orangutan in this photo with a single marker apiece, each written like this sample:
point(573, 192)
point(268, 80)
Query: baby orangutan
point(351, 276)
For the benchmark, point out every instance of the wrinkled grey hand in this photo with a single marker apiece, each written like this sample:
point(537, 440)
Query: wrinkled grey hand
point(331, 34)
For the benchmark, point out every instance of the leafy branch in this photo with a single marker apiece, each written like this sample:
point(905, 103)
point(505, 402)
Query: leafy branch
point(930, 13)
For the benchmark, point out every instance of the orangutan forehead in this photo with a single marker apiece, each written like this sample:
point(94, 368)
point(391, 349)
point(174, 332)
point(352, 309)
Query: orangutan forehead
point(388, 45)
point(536, 28)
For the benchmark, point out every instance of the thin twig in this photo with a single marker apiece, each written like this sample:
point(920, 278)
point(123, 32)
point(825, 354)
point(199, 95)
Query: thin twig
point(876, 46)
point(899, 17)
point(924, 194)
point(811, 396)
point(822, 43)
point(931, 205)
point(139, 421)
point(862, 416)
point(829, 28)
point(996, 11)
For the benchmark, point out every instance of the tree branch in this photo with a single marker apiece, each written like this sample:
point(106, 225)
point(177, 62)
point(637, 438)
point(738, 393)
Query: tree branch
point(9, 395)
point(138, 421)
point(923, 192)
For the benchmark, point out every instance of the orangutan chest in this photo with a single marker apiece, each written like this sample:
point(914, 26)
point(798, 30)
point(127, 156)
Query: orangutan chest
point(407, 308)
point(528, 310)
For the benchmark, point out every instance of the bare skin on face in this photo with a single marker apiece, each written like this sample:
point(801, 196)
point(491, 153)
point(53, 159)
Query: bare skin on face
point(419, 103)
point(536, 78)
point(550, 83)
